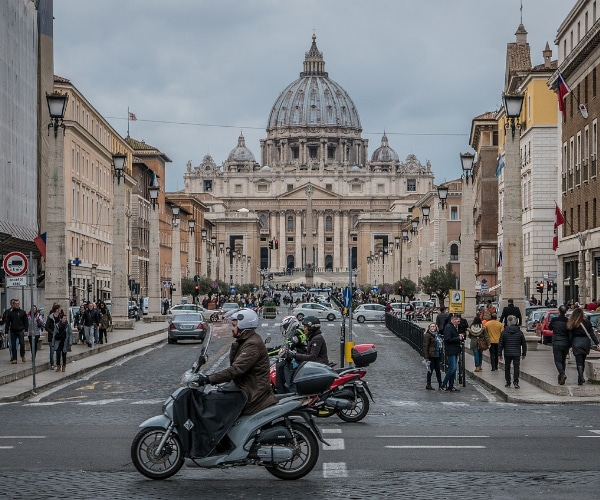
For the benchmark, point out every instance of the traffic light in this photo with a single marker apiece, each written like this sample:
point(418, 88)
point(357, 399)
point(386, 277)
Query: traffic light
point(89, 287)
point(549, 285)
point(270, 244)
point(196, 279)
point(276, 244)
point(554, 287)
point(540, 287)
point(400, 289)
point(196, 291)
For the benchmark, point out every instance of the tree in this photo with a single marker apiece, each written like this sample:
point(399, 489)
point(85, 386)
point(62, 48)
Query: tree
point(409, 288)
point(439, 282)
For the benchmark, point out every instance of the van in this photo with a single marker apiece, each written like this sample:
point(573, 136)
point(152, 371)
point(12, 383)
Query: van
point(144, 305)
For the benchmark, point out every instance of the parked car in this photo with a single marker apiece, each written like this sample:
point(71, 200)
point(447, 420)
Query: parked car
point(318, 310)
point(369, 312)
point(533, 319)
point(133, 310)
point(230, 306)
point(542, 329)
point(187, 326)
point(398, 308)
point(184, 308)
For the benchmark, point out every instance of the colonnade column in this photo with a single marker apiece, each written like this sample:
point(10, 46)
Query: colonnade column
point(337, 264)
point(282, 241)
point(298, 239)
point(320, 241)
point(345, 240)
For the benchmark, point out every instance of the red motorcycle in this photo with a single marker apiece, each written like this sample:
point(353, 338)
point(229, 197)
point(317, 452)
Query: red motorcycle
point(348, 396)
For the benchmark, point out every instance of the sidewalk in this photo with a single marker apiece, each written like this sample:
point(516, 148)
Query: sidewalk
point(16, 381)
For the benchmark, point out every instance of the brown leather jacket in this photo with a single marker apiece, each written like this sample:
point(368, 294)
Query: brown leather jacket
point(250, 371)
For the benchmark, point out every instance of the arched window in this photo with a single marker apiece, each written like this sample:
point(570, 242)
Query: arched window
point(329, 223)
point(290, 223)
point(328, 263)
point(454, 252)
point(290, 262)
point(263, 221)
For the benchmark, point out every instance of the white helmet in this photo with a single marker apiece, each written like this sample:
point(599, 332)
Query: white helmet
point(247, 319)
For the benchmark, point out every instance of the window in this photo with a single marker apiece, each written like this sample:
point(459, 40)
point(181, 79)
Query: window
point(262, 188)
point(331, 152)
point(290, 187)
point(290, 223)
point(411, 184)
point(453, 213)
point(380, 188)
point(263, 222)
point(295, 152)
point(207, 186)
point(454, 252)
point(329, 187)
point(312, 151)
point(356, 188)
point(328, 223)
point(237, 188)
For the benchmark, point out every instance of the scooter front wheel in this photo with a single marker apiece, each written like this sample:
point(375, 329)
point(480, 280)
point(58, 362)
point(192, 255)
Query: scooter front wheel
point(306, 454)
point(161, 466)
point(359, 411)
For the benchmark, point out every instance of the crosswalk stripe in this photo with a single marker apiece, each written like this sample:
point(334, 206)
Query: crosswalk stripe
point(334, 469)
point(334, 444)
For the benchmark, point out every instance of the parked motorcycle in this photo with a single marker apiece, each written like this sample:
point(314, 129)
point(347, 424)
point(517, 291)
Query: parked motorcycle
point(348, 395)
point(282, 438)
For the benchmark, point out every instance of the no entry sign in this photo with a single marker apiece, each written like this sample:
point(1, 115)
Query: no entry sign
point(15, 264)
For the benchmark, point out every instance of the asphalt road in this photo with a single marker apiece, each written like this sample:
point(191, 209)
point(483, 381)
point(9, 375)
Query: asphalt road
point(74, 442)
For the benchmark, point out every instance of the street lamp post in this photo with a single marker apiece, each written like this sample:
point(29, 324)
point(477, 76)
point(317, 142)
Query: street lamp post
point(221, 259)
point(192, 248)
point(512, 222)
point(57, 286)
point(204, 261)
point(467, 239)
point(443, 226)
point(214, 257)
point(154, 295)
point(176, 256)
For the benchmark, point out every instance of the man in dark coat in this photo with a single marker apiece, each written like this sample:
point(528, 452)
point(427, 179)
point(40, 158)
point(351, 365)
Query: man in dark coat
point(249, 361)
point(452, 346)
point(560, 342)
point(514, 348)
point(511, 310)
point(17, 323)
point(316, 349)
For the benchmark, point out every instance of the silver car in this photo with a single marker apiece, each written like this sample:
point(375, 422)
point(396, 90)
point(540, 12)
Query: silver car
point(318, 310)
point(187, 326)
point(369, 312)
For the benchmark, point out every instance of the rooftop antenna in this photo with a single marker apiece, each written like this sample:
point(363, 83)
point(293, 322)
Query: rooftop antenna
point(521, 11)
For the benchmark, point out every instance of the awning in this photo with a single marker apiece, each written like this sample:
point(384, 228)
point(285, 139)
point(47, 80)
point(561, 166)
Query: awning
point(495, 287)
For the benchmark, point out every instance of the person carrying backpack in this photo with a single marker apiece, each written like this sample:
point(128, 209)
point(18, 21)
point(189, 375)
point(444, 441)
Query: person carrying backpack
point(63, 338)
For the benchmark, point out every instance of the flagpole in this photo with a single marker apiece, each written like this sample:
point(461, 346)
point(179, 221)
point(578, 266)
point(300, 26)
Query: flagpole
point(128, 121)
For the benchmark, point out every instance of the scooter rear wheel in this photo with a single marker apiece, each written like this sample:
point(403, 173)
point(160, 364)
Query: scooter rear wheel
point(306, 454)
point(166, 464)
point(359, 411)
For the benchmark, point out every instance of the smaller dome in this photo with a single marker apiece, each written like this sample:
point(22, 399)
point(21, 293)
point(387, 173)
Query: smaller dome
point(384, 152)
point(355, 168)
point(266, 168)
point(241, 152)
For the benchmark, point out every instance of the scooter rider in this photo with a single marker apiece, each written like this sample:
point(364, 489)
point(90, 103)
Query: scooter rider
point(317, 347)
point(249, 363)
point(295, 340)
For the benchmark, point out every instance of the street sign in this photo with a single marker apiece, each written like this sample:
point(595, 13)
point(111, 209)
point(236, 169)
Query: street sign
point(232, 289)
point(375, 289)
point(166, 284)
point(457, 302)
point(347, 293)
point(15, 264)
point(18, 281)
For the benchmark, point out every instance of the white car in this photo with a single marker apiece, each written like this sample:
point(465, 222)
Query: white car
point(369, 312)
point(318, 310)
point(184, 308)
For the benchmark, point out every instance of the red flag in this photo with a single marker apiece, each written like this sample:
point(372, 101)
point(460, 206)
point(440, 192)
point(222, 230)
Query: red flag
point(559, 220)
point(563, 91)
point(40, 243)
point(132, 117)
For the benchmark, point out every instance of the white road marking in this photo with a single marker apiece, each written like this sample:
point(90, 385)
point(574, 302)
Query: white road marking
point(434, 447)
point(331, 431)
point(148, 402)
point(433, 437)
point(334, 469)
point(334, 444)
point(101, 402)
point(6, 447)
point(22, 437)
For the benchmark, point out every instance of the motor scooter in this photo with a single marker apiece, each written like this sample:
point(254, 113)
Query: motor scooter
point(282, 438)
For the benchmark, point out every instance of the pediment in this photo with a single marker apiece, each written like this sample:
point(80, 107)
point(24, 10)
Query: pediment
point(318, 193)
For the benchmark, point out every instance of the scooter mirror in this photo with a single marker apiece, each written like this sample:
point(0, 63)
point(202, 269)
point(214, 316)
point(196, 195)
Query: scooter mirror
point(201, 361)
point(268, 339)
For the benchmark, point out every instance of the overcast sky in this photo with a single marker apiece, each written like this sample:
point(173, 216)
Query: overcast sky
point(196, 72)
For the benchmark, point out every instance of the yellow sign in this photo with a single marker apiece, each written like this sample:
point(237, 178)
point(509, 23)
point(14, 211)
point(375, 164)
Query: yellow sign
point(457, 302)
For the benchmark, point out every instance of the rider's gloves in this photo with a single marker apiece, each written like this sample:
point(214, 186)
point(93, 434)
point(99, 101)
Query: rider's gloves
point(291, 354)
point(203, 379)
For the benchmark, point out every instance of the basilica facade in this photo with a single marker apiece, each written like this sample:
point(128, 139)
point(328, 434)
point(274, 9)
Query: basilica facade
point(315, 195)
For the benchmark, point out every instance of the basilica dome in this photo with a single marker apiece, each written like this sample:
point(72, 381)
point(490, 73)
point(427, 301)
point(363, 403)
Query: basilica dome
point(241, 153)
point(314, 100)
point(384, 153)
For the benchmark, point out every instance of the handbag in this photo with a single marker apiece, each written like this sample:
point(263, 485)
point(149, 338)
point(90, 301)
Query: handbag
point(482, 344)
point(589, 336)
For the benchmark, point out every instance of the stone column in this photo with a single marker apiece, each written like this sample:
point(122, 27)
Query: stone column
point(467, 248)
point(274, 236)
point(512, 224)
point(118, 285)
point(298, 239)
point(321, 241)
point(176, 261)
point(154, 285)
point(57, 285)
point(282, 241)
point(346, 263)
point(337, 263)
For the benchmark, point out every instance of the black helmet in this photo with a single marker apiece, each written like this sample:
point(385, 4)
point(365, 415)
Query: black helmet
point(312, 322)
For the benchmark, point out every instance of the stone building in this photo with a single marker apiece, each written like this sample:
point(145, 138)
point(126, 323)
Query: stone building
point(315, 192)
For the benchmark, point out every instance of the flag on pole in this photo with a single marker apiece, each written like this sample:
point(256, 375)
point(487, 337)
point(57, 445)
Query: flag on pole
point(132, 117)
point(40, 243)
point(499, 257)
point(499, 164)
point(563, 91)
point(559, 220)
point(154, 180)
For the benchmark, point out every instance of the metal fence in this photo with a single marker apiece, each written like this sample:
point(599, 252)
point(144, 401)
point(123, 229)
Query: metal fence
point(412, 334)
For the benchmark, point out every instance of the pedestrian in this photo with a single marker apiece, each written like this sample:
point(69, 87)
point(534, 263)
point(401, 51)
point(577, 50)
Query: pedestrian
point(105, 322)
point(488, 310)
point(493, 328)
point(6, 343)
point(441, 319)
point(17, 323)
point(452, 346)
point(63, 338)
point(514, 348)
point(581, 335)
point(77, 323)
point(479, 341)
point(51, 322)
point(511, 310)
point(433, 347)
point(561, 342)
point(38, 327)
point(90, 323)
